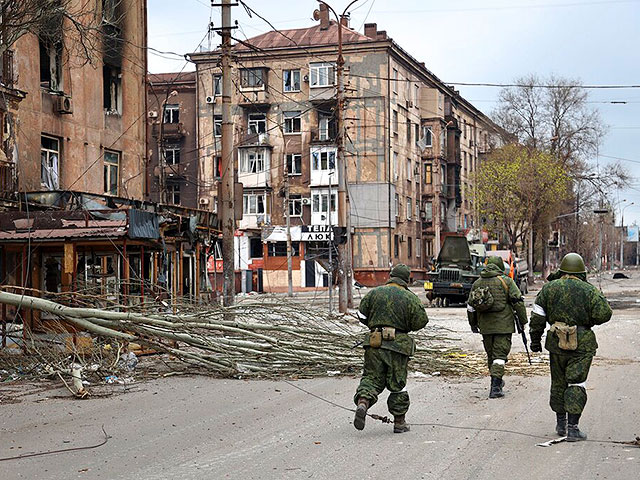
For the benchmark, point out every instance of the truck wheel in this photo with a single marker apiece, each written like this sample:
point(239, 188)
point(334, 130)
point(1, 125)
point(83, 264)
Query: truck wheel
point(445, 302)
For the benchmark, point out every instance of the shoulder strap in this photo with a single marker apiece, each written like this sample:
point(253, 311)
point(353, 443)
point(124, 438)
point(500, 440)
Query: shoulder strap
point(504, 284)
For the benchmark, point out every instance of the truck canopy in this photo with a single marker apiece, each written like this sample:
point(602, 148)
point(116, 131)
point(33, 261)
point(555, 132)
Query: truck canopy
point(455, 251)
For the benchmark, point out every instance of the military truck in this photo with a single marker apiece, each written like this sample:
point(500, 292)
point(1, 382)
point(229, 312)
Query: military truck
point(458, 265)
point(514, 267)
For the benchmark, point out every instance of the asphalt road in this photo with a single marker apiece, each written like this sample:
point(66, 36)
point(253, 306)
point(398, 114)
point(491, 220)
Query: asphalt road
point(200, 428)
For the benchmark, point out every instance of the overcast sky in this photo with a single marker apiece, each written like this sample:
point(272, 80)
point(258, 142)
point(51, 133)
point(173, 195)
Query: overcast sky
point(492, 41)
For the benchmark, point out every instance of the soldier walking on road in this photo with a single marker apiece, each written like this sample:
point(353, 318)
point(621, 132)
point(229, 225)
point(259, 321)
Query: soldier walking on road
point(571, 305)
point(390, 312)
point(490, 311)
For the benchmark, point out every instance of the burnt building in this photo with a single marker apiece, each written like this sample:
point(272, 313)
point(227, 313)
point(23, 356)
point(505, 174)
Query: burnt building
point(171, 139)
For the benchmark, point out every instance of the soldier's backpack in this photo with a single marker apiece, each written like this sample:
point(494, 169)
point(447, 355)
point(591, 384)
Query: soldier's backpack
point(481, 299)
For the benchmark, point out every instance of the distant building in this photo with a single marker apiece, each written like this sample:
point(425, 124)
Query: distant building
point(412, 146)
point(172, 140)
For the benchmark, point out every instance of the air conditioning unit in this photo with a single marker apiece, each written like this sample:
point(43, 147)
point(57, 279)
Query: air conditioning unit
point(306, 79)
point(306, 201)
point(210, 99)
point(423, 215)
point(63, 104)
point(204, 201)
point(153, 114)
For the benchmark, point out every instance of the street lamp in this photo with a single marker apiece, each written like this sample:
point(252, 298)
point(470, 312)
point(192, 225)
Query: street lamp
point(622, 233)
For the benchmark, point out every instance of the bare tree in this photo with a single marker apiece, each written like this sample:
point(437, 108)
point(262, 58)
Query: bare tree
point(84, 23)
point(552, 114)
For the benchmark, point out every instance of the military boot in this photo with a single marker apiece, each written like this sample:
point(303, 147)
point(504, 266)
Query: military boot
point(561, 424)
point(361, 413)
point(496, 388)
point(399, 424)
point(573, 432)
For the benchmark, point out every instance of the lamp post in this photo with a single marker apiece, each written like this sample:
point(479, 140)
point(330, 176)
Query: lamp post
point(622, 233)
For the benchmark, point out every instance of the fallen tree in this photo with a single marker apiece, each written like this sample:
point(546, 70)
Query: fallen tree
point(268, 337)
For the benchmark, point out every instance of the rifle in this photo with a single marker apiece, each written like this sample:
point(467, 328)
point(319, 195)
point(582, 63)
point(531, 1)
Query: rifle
point(523, 335)
point(519, 328)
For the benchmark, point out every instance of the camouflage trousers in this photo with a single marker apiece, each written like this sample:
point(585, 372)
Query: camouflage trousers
point(568, 377)
point(384, 369)
point(497, 346)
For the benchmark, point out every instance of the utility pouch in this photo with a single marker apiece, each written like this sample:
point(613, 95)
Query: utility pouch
point(567, 335)
point(375, 339)
point(388, 333)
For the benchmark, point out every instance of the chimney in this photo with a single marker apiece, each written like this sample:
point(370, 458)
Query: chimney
point(381, 35)
point(371, 30)
point(323, 15)
point(344, 20)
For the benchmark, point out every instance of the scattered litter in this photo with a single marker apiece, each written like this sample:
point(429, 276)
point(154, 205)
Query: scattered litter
point(436, 374)
point(619, 275)
point(128, 361)
point(333, 373)
point(551, 442)
point(111, 379)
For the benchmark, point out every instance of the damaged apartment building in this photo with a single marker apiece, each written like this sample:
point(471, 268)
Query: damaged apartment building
point(74, 219)
point(412, 144)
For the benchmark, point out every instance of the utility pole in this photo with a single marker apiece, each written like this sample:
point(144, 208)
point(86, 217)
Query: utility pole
point(330, 247)
point(287, 215)
point(227, 182)
point(345, 255)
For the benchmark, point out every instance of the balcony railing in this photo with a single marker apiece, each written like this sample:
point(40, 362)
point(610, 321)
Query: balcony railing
point(168, 130)
point(324, 135)
point(7, 178)
point(254, 139)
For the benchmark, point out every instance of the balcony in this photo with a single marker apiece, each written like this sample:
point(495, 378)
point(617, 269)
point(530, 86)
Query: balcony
point(176, 171)
point(169, 131)
point(7, 178)
point(254, 97)
point(254, 140)
point(324, 136)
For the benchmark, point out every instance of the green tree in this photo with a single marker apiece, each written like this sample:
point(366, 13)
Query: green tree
point(520, 188)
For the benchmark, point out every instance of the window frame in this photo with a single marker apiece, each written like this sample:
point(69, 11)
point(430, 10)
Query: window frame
point(293, 160)
point(255, 165)
point(292, 73)
point(217, 84)
point(295, 206)
point(169, 111)
point(292, 120)
point(109, 168)
point(320, 202)
point(173, 193)
point(315, 72)
point(49, 154)
point(249, 80)
point(318, 161)
point(173, 149)
point(247, 203)
point(217, 126)
point(254, 122)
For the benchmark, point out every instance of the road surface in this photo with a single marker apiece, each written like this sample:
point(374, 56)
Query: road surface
point(202, 428)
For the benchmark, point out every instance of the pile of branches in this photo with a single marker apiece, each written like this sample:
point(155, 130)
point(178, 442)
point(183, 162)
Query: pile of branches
point(265, 337)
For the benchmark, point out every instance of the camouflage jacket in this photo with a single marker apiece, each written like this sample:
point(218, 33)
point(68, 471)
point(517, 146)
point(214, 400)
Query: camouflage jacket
point(573, 301)
point(393, 305)
point(500, 318)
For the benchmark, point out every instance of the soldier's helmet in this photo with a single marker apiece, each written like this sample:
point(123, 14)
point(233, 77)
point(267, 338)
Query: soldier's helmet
point(402, 272)
point(497, 261)
point(572, 263)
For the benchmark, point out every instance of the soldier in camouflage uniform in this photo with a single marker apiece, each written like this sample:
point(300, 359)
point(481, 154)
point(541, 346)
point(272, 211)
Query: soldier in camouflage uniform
point(570, 299)
point(496, 322)
point(385, 366)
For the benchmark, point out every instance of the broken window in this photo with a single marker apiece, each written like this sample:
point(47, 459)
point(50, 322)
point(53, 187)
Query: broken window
point(111, 172)
point(255, 247)
point(295, 205)
point(217, 125)
point(409, 247)
point(253, 204)
point(257, 123)
point(50, 162)
point(294, 164)
point(291, 122)
point(173, 193)
point(112, 88)
point(217, 85)
point(279, 249)
point(6, 75)
point(291, 80)
point(396, 246)
point(253, 160)
point(50, 64)
point(252, 77)
point(320, 202)
point(172, 155)
point(171, 113)
point(217, 167)
point(326, 128)
point(323, 160)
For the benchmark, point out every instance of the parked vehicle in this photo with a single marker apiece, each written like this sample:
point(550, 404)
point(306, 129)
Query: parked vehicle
point(514, 267)
point(458, 265)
